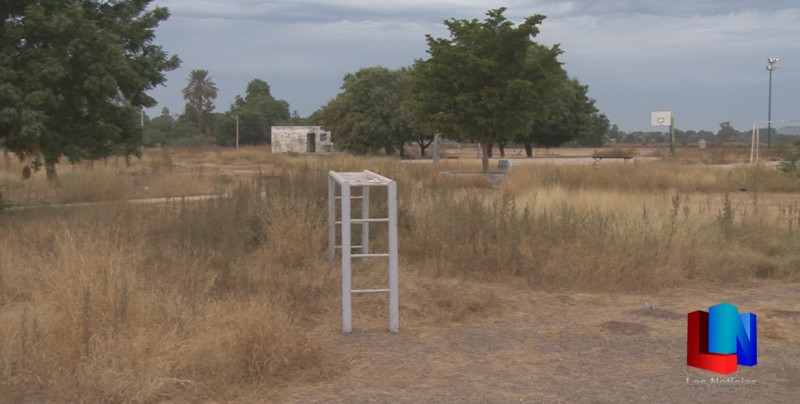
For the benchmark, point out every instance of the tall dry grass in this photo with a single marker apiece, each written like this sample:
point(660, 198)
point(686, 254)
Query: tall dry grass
point(185, 300)
point(146, 303)
point(615, 227)
point(188, 301)
point(641, 177)
point(158, 173)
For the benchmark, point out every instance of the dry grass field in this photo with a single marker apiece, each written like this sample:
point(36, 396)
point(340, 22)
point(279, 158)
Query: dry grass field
point(530, 290)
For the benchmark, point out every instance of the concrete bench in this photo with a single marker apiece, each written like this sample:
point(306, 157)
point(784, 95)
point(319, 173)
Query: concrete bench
point(625, 158)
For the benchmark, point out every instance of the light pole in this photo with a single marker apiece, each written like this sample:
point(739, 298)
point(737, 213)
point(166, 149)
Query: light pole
point(772, 64)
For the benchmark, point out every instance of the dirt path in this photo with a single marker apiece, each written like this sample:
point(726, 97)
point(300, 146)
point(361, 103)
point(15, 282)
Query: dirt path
point(548, 347)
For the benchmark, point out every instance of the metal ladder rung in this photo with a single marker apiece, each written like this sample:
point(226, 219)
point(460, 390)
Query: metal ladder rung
point(369, 255)
point(369, 291)
point(352, 246)
point(371, 220)
point(351, 197)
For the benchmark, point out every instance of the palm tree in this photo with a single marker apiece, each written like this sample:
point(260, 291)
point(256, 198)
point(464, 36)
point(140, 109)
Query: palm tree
point(199, 93)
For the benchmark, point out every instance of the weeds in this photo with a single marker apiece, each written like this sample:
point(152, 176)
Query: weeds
point(790, 159)
point(726, 217)
point(85, 326)
point(190, 301)
point(646, 177)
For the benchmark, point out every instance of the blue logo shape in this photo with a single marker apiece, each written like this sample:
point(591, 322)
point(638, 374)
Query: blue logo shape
point(732, 333)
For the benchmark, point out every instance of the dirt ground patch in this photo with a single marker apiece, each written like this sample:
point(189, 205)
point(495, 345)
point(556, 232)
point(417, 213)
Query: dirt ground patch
point(548, 347)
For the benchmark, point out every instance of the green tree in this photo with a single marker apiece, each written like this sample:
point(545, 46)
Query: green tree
point(199, 94)
point(157, 131)
point(297, 120)
point(549, 77)
point(598, 132)
point(569, 115)
point(74, 76)
point(545, 71)
point(257, 112)
point(422, 135)
point(369, 114)
point(475, 85)
point(166, 130)
point(615, 134)
point(727, 132)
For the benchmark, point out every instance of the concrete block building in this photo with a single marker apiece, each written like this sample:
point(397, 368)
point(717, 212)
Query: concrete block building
point(301, 139)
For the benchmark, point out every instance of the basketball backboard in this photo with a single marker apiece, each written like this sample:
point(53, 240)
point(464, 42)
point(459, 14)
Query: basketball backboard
point(661, 118)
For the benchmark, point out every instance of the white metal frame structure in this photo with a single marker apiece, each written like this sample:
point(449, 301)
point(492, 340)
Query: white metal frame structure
point(364, 180)
point(755, 139)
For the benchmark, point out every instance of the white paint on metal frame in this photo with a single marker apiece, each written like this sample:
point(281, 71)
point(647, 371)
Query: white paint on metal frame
point(754, 142)
point(364, 180)
point(755, 139)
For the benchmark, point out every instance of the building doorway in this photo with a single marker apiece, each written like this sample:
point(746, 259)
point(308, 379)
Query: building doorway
point(311, 143)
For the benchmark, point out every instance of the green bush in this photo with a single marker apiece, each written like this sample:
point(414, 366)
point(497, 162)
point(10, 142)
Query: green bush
point(791, 157)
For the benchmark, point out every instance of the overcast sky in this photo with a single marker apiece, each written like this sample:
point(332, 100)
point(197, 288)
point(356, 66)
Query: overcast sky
point(705, 60)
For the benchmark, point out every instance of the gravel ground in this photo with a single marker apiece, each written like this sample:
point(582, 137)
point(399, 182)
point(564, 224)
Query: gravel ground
point(564, 348)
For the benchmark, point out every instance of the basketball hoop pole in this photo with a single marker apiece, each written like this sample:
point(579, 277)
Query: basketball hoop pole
point(660, 118)
point(672, 135)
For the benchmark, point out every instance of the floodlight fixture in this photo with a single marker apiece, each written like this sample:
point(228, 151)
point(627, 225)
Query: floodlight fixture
point(772, 63)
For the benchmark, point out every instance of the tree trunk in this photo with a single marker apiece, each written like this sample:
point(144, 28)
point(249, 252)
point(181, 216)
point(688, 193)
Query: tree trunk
point(423, 145)
point(486, 147)
point(422, 149)
point(502, 147)
point(528, 149)
point(50, 170)
point(200, 114)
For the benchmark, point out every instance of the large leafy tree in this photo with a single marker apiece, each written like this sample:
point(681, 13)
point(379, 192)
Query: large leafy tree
point(74, 76)
point(369, 114)
point(476, 84)
point(548, 76)
point(157, 131)
point(598, 132)
point(257, 112)
point(423, 136)
point(727, 132)
point(166, 130)
point(569, 115)
point(199, 93)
